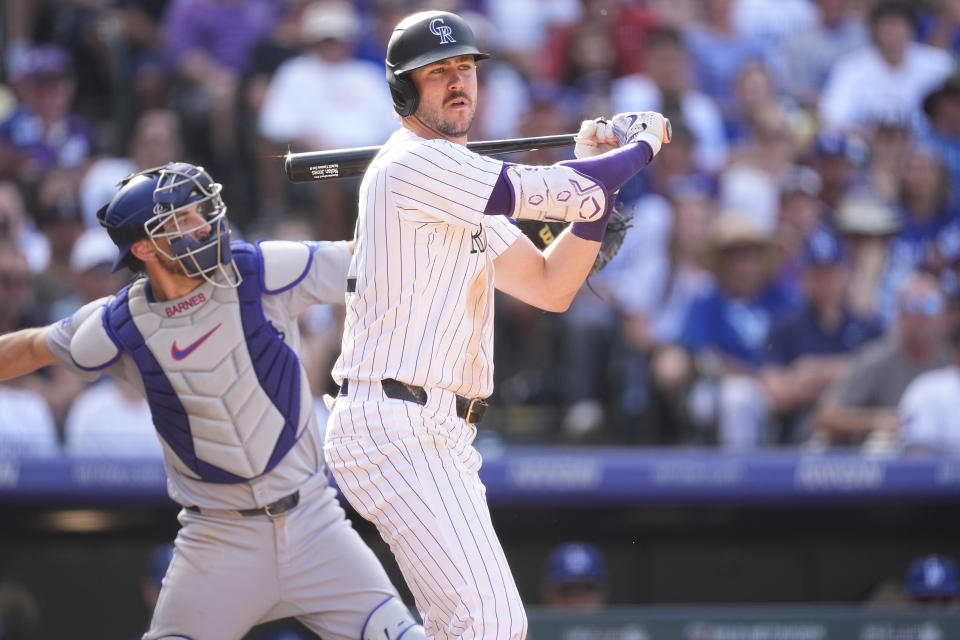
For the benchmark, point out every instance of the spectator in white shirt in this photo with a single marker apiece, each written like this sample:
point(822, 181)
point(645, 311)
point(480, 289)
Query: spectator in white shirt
point(667, 86)
point(809, 55)
point(110, 419)
point(316, 98)
point(929, 408)
point(887, 79)
point(26, 424)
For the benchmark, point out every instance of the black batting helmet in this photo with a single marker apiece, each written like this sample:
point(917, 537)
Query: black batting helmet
point(421, 39)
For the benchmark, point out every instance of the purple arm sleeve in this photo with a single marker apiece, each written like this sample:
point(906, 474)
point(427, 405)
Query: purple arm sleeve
point(611, 169)
point(500, 202)
point(614, 168)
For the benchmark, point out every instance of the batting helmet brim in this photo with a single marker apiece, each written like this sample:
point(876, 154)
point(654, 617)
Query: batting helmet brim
point(431, 56)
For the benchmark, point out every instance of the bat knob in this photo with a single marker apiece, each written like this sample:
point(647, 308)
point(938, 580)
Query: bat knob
point(667, 130)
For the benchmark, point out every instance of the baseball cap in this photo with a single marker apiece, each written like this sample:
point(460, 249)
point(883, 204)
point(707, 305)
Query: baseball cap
point(822, 249)
point(41, 61)
point(575, 562)
point(92, 248)
point(322, 20)
point(933, 576)
point(832, 144)
point(682, 188)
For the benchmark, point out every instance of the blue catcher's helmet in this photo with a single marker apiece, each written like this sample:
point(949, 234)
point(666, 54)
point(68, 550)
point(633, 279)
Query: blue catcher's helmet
point(127, 213)
point(189, 213)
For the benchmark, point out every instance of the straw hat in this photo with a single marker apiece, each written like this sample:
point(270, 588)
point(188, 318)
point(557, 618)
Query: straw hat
point(730, 230)
point(864, 214)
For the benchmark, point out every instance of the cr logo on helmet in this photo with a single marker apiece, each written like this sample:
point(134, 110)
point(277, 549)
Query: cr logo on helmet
point(444, 32)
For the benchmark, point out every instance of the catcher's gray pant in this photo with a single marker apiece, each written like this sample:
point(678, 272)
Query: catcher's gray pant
point(229, 574)
point(412, 471)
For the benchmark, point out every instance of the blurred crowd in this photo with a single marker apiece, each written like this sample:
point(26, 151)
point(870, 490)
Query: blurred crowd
point(791, 277)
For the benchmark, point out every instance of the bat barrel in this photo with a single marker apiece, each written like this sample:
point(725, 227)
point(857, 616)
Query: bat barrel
point(311, 166)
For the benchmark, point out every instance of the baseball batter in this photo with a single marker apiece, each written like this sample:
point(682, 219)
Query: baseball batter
point(434, 237)
point(210, 337)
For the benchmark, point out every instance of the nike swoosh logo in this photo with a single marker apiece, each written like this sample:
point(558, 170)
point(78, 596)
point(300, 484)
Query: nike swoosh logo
point(180, 354)
point(625, 130)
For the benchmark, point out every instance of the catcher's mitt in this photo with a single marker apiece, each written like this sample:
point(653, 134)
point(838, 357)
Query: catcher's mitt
point(542, 234)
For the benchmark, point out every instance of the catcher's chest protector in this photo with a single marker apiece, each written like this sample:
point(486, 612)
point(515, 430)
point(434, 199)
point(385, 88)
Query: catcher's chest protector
point(223, 387)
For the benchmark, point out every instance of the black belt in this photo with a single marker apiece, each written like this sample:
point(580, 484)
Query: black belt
point(273, 509)
point(470, 409)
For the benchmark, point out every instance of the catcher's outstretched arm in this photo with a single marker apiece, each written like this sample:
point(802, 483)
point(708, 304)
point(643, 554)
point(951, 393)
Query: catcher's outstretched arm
point(23, 352)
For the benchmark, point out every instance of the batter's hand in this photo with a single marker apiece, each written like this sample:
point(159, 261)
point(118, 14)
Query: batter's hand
point(595, 137)
point(642, 126)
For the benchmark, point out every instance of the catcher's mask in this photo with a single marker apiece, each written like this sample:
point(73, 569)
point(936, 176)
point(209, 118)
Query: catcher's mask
point(189, 215)
point(421, 39)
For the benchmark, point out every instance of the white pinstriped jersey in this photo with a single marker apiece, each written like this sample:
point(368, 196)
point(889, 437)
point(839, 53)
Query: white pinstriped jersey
point(422, 310)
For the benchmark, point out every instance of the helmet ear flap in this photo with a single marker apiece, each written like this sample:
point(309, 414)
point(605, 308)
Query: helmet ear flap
point(404, 94)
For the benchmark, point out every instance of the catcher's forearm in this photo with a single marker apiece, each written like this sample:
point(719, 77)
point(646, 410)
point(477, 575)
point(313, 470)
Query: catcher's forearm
point(23, 352)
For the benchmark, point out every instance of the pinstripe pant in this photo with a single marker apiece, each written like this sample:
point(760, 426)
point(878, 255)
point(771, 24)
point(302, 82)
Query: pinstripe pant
point(412, 471)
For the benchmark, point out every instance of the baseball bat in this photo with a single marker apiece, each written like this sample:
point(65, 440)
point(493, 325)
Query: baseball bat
point(349, 163)
point(310, 166)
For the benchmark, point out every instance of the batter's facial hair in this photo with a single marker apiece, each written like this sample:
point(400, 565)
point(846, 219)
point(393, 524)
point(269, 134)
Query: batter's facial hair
point(435, 120)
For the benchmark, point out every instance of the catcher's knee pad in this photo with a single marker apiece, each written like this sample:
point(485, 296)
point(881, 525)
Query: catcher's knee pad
point(555, 192)
point(391, 620)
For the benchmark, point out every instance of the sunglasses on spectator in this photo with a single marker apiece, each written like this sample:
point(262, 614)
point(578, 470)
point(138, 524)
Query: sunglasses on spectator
point(930, 304)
